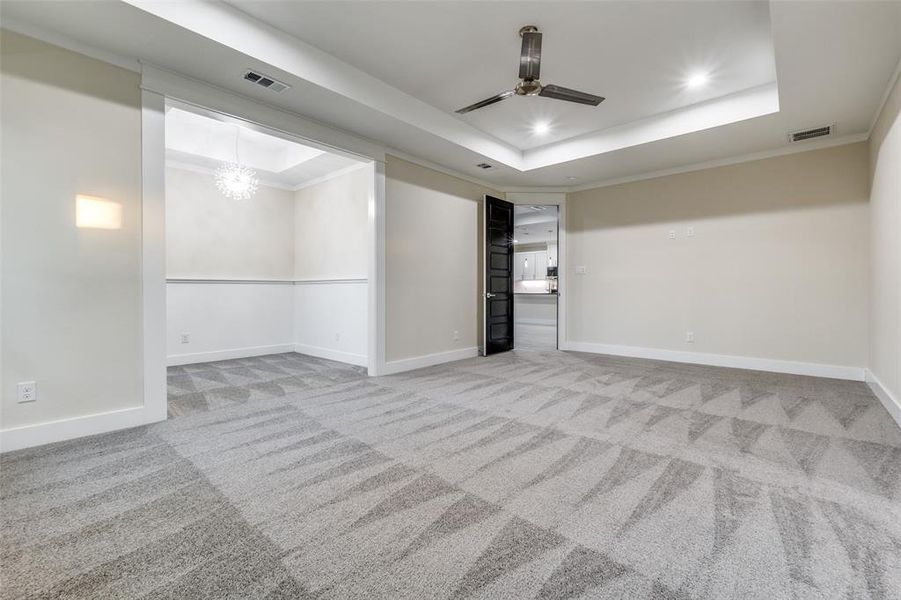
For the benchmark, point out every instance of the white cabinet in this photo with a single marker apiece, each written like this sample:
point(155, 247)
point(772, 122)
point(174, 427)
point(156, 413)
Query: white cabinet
point(529, 265)
point(540, 265)
point(523, 266)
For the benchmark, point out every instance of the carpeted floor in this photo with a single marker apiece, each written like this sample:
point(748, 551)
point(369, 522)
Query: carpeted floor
point(525, 475)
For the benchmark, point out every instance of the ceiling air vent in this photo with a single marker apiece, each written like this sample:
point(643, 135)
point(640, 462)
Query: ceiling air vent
point(809, 134)
point(484, 166)
point(265, 81)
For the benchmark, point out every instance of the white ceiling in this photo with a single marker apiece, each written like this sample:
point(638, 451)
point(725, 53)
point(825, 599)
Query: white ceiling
point(636, 54)
point(534, 225)
point(203, 140)
point(376, 68)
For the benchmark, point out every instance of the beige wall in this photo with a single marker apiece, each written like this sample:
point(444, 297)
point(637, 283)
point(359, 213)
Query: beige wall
point(433, 257)
point(209, 236)
point(885, 265)
point(332, 233)
point(71, 298)
point(777, 267)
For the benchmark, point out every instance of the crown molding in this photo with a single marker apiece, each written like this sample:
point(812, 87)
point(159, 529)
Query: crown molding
point(184, 166)
point(724, 162)
point(329, 176)
point(518, 189)
point(885, 96)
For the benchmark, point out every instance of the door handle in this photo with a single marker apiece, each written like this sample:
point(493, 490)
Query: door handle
point(490, 295)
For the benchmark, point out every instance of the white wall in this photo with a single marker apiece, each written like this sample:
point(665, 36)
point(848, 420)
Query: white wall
point(228, 320)
point(213, 237)
point(71, 298)
point(776, 269)
point(885, 251)
point(314, 237)
point(330, 266)
point(433, 264)
point(330, 229)
point(330, 320)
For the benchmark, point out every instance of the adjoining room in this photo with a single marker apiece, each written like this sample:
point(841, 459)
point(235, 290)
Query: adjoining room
point(266, 248)
point(535, 281)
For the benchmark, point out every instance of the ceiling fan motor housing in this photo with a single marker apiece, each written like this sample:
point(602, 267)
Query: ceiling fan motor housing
point(528, 87)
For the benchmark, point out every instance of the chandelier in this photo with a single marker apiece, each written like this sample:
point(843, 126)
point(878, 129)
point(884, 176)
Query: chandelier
point(235, 180)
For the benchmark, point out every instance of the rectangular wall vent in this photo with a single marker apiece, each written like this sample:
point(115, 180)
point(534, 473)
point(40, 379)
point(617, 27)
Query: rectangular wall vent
point(809, 134)
point(265, 81)
point(484, 166)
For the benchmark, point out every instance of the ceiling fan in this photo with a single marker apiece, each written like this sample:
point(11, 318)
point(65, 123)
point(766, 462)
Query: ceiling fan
point(529, 69)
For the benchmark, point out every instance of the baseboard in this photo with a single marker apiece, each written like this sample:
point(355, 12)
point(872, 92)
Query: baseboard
point(328, 353)
point(428, 360)
point(889, 401)
point(202, 357)
point(722, 360)
point(39, 434)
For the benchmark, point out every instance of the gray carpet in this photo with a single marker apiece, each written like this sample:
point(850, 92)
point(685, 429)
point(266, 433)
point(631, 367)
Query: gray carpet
point(525, 475)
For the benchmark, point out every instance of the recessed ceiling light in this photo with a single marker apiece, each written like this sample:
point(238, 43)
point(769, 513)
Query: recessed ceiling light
point(571, 178)
point(540, 128)
point(697, 80)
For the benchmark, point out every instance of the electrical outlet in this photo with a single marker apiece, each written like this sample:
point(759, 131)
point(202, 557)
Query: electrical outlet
point(185, 338)
point(28, 391)
point(456, 336)
point(690, 232)
point(337, 337)
point(672, 234)
point(690, 336)
point(580, 270)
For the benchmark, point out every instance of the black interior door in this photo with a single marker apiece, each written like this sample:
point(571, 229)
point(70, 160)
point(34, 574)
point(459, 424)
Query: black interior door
point(498, 275)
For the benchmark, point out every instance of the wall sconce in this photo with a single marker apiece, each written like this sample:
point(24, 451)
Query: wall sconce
point(97, 213)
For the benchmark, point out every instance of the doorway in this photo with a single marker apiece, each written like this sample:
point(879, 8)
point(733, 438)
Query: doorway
point(267, 254)
point(535, 276)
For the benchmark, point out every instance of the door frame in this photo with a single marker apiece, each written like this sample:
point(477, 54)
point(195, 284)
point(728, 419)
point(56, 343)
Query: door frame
point(158, 85)
point(557, 199)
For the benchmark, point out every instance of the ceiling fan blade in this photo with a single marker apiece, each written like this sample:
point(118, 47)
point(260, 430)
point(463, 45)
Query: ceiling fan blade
point(561, 93)
point(530, 57)
point(486, 102)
